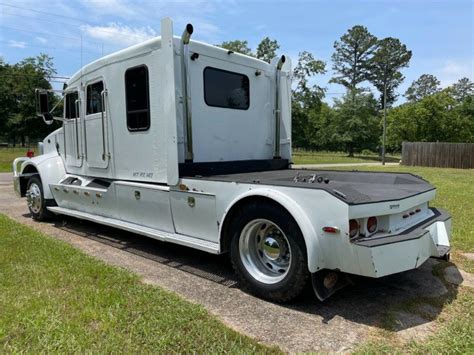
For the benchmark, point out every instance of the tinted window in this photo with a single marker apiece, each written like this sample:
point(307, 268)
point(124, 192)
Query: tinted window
point(137, 98)
point(70, 103)
point(226, 89)
point(94, 101)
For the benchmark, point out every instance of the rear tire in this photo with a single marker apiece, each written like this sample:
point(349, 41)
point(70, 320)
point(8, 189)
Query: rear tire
point(268, 252)
point(35, 199)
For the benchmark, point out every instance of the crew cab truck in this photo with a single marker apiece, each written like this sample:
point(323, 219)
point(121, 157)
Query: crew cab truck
point(189, 143)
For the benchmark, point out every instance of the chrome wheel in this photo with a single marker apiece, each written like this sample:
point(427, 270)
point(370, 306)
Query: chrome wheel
point(265, 251)
point(33, 198)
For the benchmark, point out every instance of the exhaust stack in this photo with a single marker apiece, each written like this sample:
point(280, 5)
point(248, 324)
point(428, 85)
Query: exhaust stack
point(186, 36)
point(280, 63)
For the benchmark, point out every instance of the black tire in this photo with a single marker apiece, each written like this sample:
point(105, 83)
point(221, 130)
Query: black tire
point(297, 274)
point(38, 210)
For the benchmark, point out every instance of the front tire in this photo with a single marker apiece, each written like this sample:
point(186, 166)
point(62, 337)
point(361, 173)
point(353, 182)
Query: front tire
point(35, 199)
point(268, 252)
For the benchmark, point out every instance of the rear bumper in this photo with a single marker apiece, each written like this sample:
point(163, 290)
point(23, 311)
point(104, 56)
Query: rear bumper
point(407, 250)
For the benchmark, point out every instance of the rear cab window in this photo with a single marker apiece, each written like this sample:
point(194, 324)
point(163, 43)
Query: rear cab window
point(226, 89)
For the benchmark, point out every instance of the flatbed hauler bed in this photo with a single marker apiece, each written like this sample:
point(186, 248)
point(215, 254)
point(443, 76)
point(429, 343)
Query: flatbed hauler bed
point(189, 143)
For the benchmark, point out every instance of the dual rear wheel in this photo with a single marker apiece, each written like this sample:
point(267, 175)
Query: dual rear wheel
point(268, 252)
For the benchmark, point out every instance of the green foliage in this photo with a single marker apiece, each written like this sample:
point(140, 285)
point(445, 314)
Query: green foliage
point(425, 85)
point(356, 125)
point(463, 89)
point(437, 117)
point(391, 56)
point(351, 57)
point(266, 50)
point(17, 97)
point(237, 46)
point(306, 103)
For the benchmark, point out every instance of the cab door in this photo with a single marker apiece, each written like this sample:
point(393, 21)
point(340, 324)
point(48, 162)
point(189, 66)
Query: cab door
point(73, 146)
point(95, 125)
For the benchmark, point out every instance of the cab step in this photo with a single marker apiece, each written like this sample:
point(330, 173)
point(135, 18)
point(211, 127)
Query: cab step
point(200, 244)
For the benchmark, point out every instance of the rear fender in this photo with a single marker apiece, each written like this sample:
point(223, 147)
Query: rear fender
point(315, 258)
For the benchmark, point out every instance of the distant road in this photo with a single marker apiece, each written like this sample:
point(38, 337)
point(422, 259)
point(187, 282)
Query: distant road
point(316, 166)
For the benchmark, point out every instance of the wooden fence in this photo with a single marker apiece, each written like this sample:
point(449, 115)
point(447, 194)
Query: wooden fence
point(442, 155)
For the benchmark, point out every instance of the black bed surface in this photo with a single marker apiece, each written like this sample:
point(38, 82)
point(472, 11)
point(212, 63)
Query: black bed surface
point(353, 187)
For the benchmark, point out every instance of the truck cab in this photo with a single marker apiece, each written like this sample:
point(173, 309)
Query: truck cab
point(189, 143)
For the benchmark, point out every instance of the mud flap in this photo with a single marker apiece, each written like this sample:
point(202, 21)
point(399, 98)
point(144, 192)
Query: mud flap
point(327, 282)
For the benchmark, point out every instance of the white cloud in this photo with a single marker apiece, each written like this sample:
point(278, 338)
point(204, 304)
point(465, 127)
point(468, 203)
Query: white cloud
point(16, 44)
point(452, 71)
point(41, 40)
point(119, 34)
point(111, 7)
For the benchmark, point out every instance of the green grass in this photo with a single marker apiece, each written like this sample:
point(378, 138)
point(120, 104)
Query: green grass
point(54, 298)
point(312, 157)
point(7, 155)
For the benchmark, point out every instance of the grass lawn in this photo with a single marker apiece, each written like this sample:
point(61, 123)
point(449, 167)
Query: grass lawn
point(7, 155)
point(54, 298)
point(309, 157)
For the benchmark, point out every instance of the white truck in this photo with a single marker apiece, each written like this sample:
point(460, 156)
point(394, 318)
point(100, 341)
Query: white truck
point(189, 143)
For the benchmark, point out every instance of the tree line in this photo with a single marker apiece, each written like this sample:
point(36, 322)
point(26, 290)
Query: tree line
point(17, 98)
point(354, 121)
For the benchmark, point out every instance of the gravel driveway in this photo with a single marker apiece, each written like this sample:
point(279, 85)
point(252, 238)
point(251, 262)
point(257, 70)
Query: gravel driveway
point(339, 324)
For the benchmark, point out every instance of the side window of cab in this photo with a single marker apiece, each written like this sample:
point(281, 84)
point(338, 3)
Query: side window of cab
point(94, 98)
point(70, 110)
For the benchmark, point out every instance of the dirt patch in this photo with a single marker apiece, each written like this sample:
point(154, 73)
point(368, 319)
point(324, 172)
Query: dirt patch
point(339, 324)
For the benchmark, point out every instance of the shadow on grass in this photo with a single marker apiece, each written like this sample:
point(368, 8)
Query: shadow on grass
point(373, 302)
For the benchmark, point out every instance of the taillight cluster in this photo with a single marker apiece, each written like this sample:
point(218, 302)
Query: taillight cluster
point(354, 226)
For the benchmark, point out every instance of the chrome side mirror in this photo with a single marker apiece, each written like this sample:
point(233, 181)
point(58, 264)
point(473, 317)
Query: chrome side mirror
point(47, 118)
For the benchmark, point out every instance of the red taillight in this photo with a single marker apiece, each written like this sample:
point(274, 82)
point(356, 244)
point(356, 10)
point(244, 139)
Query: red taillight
point(372, 224)
point(30, 153)
point(353, 228)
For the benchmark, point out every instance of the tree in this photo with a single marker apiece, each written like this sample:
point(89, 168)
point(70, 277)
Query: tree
point(356, 125)
point(306, 103)
point(463, 89)
point(266, 50)
point(389, 58)
point(425, 85)
point(237, 46)
point(351, 58)
point(17, 92)
point(437, 117)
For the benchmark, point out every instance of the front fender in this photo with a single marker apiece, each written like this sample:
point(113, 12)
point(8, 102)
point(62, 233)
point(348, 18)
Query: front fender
point(315, 256)
point(50, 167)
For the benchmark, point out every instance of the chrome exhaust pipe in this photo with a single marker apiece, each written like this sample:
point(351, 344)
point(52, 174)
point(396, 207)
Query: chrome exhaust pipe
point(280, 63)
point(186, 36)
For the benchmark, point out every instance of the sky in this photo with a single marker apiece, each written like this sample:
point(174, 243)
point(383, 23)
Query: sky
point(440, 33)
